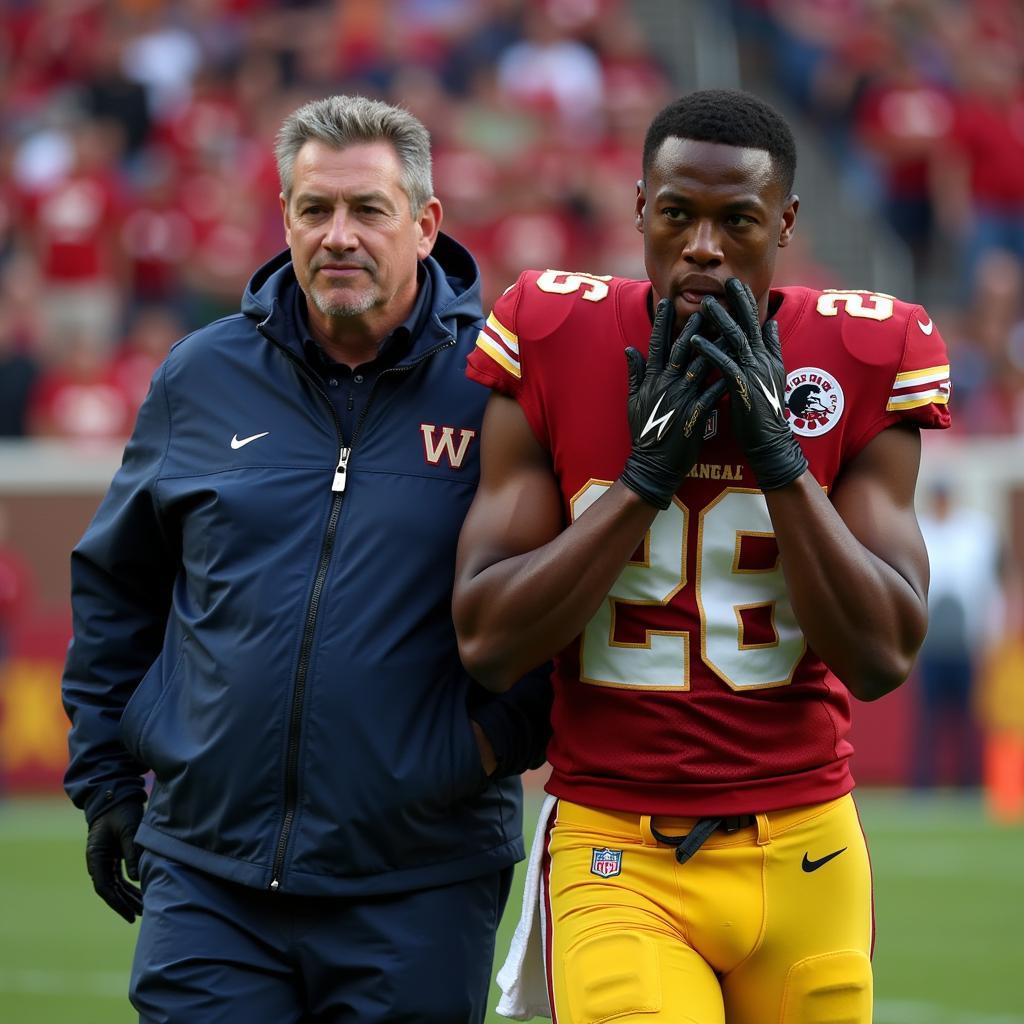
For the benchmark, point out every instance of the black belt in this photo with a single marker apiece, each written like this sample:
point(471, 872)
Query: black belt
point(686, 846)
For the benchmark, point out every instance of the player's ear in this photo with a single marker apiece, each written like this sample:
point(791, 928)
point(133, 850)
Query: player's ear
point(787, 222)
point(641, 202)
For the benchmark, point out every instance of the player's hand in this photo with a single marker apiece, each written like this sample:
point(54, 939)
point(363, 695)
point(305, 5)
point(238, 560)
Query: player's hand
point(667, 407)
point(111, 844)
point(756, 379)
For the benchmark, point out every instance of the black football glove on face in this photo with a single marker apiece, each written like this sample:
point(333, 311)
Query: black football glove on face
point(757, 385)
point(110, 843)
point(667, 408)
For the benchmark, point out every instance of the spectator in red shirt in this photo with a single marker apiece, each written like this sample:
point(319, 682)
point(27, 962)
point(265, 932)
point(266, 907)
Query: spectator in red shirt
point(903, 120)
point(157, 236)
point(154, 329)
point(78, 398)
point(72, 224)
point(981, 187)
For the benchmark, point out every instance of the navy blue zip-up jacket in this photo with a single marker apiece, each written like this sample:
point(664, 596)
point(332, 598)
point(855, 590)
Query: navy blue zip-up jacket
point(279, 651)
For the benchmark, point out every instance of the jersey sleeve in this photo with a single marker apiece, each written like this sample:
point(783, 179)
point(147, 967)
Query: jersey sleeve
point(497, 359)
point(907, 377)
point(921, 387)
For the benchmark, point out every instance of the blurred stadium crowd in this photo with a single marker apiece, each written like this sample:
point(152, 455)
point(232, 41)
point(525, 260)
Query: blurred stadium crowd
point(138, 193)
point(138, 190)
point(921, 103)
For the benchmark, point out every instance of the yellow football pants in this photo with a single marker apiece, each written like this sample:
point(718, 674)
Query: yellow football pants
point(771, 924)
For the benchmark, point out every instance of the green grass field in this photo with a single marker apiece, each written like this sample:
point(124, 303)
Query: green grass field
point(949, 894)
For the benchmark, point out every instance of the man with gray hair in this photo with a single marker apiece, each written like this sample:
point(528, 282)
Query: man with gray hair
point(262, 621)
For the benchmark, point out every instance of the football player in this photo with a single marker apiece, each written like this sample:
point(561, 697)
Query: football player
point(717, 574)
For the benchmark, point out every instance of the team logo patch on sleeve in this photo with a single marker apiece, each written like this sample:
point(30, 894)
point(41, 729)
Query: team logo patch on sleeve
point(606, 863)
point(814, 401)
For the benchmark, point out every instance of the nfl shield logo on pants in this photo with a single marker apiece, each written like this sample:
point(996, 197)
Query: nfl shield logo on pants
point(606, 863)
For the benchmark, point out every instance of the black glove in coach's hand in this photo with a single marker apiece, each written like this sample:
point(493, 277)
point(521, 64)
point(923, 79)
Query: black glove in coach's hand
point(667, 408)
point(110, 843)
point(756, 380)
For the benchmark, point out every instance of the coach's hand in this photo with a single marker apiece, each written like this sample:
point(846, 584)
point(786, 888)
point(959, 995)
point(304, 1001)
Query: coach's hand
point(110, 844)
point(667, 407)
point(757, 385)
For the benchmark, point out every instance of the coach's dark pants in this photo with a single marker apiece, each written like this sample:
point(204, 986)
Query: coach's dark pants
point(211, 952)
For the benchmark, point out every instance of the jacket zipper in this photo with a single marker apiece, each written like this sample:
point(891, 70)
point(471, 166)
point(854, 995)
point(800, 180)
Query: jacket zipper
point(291, 781)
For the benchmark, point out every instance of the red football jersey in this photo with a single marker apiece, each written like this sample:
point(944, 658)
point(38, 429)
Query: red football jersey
point(692, 690)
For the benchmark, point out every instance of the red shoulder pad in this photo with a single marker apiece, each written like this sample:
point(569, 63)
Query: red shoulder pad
point(534, 309)
point(885, 335)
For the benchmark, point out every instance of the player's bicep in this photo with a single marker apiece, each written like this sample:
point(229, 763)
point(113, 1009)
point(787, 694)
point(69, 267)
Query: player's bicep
point(518, 505)
point(875, 498)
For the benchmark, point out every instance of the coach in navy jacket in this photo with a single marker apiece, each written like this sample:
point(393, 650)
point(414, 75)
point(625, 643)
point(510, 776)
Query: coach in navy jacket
point(262, 620)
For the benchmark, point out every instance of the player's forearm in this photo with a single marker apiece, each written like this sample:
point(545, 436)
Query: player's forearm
point(864, 619)
point(518, 612)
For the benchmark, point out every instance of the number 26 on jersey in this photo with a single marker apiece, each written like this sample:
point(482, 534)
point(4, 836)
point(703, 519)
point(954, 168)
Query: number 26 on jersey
point(726, 593)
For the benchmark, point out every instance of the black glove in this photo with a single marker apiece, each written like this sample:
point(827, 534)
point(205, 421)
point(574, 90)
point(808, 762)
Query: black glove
point(111, 841)
point(667, 408)
point(757, 385)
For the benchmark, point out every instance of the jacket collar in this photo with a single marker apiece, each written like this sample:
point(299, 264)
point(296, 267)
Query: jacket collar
point(455, 293)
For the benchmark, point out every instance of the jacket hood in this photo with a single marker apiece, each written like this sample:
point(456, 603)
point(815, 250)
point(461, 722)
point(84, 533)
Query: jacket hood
point(269, 295)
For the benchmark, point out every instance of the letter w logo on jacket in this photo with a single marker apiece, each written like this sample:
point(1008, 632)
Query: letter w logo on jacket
point(435, 447)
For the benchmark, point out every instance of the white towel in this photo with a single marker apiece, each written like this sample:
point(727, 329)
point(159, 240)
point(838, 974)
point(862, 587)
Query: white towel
point(522, 978)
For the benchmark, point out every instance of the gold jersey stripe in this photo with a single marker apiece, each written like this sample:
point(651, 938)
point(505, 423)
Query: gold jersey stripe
point(510, 339)
point(923, 376)
point(491, 348)
point(917, 399)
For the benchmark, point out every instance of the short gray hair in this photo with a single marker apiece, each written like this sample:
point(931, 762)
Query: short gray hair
point(340, 121)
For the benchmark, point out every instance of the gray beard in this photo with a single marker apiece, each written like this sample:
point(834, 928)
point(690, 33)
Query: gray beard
point(333, 309)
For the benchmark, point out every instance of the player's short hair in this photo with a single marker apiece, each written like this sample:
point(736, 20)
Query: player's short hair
point(340, 121)
point(730, 117)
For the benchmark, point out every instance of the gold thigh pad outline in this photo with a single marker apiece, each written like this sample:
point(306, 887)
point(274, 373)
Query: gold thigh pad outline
point(610, 976)
point(834, 988)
